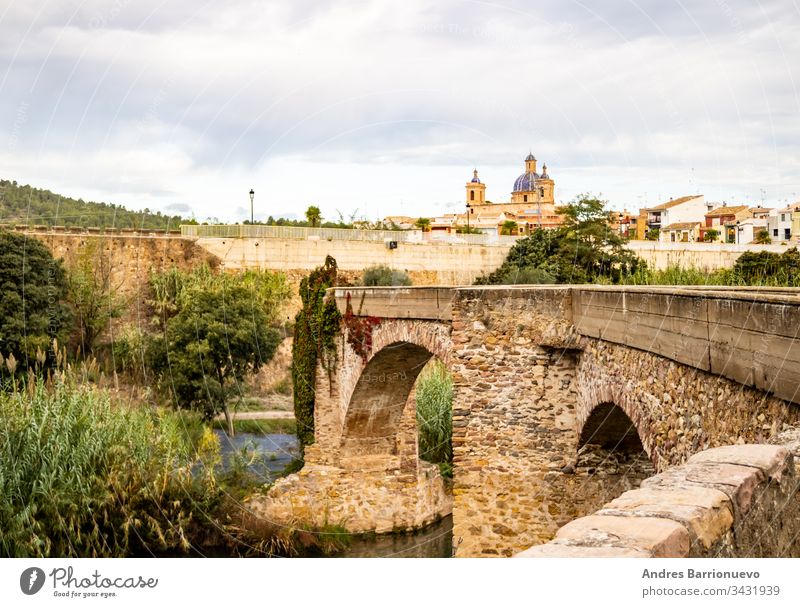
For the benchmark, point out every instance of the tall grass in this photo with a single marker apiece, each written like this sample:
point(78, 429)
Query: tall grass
point(82, 477)
point(435, 413)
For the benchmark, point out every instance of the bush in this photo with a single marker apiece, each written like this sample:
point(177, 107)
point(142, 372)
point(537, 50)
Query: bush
point(435, 413)
point(384, 276)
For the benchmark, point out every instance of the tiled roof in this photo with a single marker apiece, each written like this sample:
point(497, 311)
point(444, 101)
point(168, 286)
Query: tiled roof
point(721, 211)
point(672, 203)
point(686, 225)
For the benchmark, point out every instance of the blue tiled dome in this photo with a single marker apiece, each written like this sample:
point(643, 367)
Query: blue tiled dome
point(526, 182)
point(530, 157)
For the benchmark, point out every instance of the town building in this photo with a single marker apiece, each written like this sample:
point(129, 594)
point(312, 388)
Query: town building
point(745, 230)
point(532, 203)
point(681, 231)
point(680, 210)
point(623, 222)
point(723, 220)
point(779, 224)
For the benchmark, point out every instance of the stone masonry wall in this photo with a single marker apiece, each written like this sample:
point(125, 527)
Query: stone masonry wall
point(733, 501)
point(525, 384)
point(678, 410)
point(517, 475)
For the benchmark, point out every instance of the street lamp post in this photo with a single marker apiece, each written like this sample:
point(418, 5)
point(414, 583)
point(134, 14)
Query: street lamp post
point(252, 195)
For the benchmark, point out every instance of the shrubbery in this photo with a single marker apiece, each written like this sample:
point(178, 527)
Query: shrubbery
point(384, 276)
point(82, 477)
point(434, 395)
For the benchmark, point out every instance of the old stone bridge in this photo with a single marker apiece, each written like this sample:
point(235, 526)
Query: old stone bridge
point(564, 399)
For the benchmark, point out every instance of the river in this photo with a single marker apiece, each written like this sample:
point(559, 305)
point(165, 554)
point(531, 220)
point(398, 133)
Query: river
point(275, 451)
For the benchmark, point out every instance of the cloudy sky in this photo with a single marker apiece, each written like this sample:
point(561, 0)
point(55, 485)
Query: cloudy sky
point(380, 107)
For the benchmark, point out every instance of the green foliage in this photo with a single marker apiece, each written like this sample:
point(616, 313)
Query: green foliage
point(765, 268)
point(83, 478)
point(33, 290)
point(584, 249)
point(762, 269)
point(315, 328)
point(384, 276)
point(434, 395)
point(220, 334)
point(173, 289)
point(468, 230)
point(508, 228)
point(711, 235)
point(93, 298)
point(652, 234)
point(314, 216)
point(424, 224)
point(27, 205)
point(762, 237)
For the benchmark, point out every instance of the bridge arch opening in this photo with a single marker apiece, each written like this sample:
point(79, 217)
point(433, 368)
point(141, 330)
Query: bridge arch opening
point(400, 411)
point(609, 427)
point(611, 458)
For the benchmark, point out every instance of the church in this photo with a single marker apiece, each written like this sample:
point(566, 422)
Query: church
point(532, 203)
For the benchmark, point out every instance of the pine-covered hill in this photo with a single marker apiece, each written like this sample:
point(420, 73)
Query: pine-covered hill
point(22, 204)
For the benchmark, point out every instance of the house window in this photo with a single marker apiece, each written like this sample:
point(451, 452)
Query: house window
point(525, 198)
point(672, 236)
point(787, 233)
point(783, 217)
point(775, 232)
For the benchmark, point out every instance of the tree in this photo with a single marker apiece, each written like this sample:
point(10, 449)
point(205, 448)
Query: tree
point(652, 234)
point(424, 224)
point(33, 290)
point(314, 216)
point(762, 237)
point(211, 344)
point(711, 235)
point(216, 328)
point(508, 227)
point(93, 298)
point(585, 248)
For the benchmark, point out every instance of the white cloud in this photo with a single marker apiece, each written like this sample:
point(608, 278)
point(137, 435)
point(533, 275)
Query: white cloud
point(368, 104)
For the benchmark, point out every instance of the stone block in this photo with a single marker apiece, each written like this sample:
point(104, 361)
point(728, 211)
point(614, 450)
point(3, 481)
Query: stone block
point(661, 537)
point(705, 512)
point(772, 460)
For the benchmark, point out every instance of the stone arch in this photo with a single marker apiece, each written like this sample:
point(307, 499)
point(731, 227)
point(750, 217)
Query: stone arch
point(610, 427)
point(377, 422)
point(603, 395)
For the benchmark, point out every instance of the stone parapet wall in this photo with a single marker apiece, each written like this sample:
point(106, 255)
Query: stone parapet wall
point(733, 501)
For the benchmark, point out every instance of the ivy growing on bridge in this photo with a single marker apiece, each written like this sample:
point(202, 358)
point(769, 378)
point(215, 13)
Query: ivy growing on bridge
point(315, 330)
